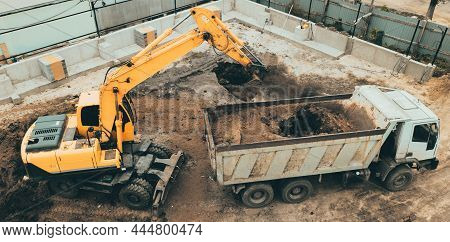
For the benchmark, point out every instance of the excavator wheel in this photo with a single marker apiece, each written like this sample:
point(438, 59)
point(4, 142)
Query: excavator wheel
point(159, 151)
point(135, 196)
point(143, 183)
point(64, 187)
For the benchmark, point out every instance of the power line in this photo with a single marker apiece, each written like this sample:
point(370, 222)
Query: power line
point(43, 20)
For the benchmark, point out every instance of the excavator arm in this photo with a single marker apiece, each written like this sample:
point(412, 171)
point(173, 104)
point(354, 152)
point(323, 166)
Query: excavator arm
point(156, 57)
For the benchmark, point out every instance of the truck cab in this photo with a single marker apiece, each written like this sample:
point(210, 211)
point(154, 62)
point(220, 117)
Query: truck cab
point(415, 134)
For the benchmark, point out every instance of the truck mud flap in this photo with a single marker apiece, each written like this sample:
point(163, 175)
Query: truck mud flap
point(166, 179)
point(430, 164)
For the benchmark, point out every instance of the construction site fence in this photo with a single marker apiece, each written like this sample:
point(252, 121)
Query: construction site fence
point(405, 33)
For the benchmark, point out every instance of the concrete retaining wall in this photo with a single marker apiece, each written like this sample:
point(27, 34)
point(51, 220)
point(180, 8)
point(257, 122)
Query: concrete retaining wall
point(26, 77)
point(376, 54)
point(23, 70)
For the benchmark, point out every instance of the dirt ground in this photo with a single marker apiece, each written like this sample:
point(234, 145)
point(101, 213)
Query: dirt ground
point(420, 7)
point(169, 110)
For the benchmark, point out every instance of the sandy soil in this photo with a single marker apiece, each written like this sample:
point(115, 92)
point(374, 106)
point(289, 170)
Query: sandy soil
point(420, 7)
point(170, 110)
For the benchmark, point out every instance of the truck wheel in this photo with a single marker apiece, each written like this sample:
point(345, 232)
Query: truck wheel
point(399, 178)
point(143, 183)
point(134, 196)
point(159, 151)
point(295, 191)
point(257, 195)
point(64, 187)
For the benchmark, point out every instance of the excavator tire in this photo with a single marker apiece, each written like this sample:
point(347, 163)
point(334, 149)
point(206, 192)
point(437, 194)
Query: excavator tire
point(135, 196)
point(64, 187)
point(143, 183)
point(159, 151)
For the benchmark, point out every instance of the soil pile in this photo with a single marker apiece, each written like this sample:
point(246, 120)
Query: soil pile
point(258, 124)
point(314, 120)
point(231, 73)
point(276, 83)
point(22, 200)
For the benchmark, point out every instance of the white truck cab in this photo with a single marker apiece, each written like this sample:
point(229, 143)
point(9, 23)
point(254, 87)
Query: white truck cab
point(415, 134)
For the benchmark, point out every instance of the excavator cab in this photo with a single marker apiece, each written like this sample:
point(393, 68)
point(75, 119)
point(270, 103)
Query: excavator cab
point(88, 111)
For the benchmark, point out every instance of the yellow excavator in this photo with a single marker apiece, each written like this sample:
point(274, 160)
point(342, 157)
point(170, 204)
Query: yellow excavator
point(97, 147)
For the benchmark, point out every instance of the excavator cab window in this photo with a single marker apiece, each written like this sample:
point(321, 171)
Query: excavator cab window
point(89, 116)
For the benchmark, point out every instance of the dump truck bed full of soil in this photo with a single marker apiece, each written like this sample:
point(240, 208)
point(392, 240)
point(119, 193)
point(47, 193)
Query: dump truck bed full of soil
point(279, 120)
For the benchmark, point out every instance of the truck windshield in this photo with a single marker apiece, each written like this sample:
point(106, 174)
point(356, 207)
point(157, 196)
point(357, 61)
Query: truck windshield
point(426, 133)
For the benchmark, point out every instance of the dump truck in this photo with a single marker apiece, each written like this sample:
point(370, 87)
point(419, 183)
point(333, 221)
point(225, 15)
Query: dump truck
point(405, 136)
point(98, 149)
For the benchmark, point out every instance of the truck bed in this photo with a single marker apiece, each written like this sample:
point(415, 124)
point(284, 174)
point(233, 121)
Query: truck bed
point(291, 157)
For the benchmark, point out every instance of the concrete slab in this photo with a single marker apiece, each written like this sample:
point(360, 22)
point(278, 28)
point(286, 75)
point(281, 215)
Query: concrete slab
point(325, 49)
point(32, 85)
point(88, 65)
point(126, 52)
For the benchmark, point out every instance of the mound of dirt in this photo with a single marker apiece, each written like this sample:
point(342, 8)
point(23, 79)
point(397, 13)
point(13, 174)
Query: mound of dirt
point(22, 200)
point(314, 120)
point(258, 124)
point(232, 73)
point(276, 83)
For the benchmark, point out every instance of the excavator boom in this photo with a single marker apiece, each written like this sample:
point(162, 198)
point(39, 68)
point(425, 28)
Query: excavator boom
point(157, 56)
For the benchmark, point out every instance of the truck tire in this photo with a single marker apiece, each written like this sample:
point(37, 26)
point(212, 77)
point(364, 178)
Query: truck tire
point(257, 195)
point(143, 183)
point(159, 151)
point(64, 187)
point(135, 197)
point(296, 191)
point(399, 178)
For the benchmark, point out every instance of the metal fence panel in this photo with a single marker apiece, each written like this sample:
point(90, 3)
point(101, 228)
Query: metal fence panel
point(398, 29)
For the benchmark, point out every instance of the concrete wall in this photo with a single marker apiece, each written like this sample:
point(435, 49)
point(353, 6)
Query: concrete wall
point(329, 37)
point(24, 70)
point(26, 77)
point(398, 29)
point(373, 53)
point(333, 43)
point(80, 52)
point(96, 53)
